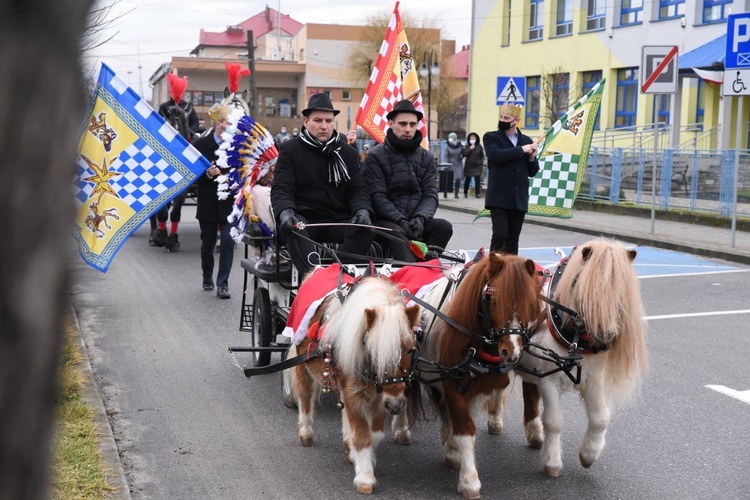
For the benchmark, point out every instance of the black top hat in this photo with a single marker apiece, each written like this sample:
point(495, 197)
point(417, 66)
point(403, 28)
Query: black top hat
point(319, 102)
point(405, 106)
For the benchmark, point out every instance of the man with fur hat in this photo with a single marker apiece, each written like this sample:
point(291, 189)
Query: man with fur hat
point(511, 160)
point(401, 177)
point(318, 181)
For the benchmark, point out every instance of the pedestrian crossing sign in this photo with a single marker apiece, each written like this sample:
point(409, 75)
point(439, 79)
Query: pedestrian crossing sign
point(511, 89)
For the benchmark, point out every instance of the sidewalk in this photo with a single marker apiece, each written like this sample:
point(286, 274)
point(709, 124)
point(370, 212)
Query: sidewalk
point(697, 239)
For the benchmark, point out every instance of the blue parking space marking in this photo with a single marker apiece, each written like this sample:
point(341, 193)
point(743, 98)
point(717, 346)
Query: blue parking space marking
point(650, 261)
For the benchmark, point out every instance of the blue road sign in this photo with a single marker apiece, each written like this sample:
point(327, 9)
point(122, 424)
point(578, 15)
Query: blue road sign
point(738, 42)
point(511, 89)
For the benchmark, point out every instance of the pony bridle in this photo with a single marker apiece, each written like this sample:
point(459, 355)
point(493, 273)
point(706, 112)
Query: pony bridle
point(406, 378)
point(494, 335)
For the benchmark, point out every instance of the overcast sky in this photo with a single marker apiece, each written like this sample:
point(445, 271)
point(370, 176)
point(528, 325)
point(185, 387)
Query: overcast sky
point(149, 33)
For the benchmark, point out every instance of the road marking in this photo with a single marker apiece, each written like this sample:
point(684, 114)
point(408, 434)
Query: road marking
point(743, 396)
point(676, 275)
point(694, 315)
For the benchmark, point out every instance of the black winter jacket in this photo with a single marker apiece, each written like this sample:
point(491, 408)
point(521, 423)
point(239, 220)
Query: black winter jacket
point(402, 184)
point(301, 183)
point(209, 207)
point(508, 171)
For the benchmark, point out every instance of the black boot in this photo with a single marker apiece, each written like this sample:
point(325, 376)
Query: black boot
point(173, 243)
point(160, 239)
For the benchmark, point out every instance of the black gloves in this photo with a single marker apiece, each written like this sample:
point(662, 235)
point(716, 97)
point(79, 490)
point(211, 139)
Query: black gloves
point(361, 216)
point(417, 228)
point(288, 219)
point(405, 228)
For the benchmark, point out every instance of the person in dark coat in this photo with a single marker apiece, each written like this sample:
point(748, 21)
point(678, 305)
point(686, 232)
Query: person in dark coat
point(318, 180)
point(453, 150)
point(401, 177)
point(212, 212)
point(474, 154)
point(511, 160)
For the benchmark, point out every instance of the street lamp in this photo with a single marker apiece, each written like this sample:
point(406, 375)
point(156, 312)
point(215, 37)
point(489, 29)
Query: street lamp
point(429, 68)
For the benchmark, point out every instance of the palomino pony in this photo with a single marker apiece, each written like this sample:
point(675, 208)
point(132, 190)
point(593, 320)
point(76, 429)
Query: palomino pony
point(367, 344)
point(608, 338)
point(468, 355)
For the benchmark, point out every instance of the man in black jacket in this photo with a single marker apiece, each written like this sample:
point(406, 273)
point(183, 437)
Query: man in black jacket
point(212, 212)
point(401, 177)
point(318, 181)
point(511, 160)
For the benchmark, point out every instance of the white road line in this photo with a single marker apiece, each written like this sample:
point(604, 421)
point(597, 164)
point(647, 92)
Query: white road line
point(694, 315)
point(677, 275)
point(743, 396)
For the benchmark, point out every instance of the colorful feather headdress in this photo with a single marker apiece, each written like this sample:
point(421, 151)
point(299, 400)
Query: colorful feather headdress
point(177, 87)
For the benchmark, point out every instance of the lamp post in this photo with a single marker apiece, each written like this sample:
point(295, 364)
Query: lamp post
point(429, 68)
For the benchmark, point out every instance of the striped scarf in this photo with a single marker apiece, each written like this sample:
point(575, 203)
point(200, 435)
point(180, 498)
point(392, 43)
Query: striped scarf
point(337, 171)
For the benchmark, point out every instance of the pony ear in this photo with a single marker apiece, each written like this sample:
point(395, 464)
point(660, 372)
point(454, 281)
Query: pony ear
point(412, 313)
point(479, 255)
point(244, 95)
point(586, 252)
point(370, 315)
point(632, 254)
point(530, 267)
point(226, 92)
point(496, 263)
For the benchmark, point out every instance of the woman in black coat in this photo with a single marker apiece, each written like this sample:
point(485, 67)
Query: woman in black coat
point(474, 154)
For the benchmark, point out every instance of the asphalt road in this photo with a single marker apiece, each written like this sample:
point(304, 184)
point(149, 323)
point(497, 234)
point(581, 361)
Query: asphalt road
point(189, 425)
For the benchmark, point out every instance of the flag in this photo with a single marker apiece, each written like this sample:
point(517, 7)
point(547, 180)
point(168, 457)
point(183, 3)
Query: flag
point(563, 154)
point(394, 78)
point(130, 164)
point(710, 76)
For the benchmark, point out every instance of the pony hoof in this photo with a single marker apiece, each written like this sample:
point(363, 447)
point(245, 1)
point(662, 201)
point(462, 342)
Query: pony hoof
point(586, 464)
point(306, 441)
point(535, 443)
point(403, 440)
point(471, 493)
point(365, 489)
point(494, 428)
point(552, 471)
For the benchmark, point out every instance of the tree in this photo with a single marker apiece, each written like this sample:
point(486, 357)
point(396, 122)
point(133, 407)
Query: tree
point(555, 93)
point(41, 103)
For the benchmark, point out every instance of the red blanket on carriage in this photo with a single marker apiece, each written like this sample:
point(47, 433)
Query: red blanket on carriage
point(417, 280)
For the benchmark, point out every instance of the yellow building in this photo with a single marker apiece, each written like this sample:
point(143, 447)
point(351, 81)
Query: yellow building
point(563, 47)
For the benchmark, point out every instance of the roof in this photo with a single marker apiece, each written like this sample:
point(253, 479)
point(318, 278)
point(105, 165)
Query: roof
point(260, 24)
point(709, 55)
point(457, 65)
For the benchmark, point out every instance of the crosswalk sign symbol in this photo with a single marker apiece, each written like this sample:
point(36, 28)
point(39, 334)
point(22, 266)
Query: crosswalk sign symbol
point(511, 89)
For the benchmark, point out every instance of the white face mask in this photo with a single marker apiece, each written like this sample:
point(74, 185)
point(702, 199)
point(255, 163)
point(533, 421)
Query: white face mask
point(472, 141)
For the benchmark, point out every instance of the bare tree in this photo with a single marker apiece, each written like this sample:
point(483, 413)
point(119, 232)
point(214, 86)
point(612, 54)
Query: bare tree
point(555, 94)
point(41, 104)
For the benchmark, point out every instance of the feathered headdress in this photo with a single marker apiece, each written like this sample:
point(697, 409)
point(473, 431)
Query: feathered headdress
point(177, 87)
point(248, 152)
point(235, 71)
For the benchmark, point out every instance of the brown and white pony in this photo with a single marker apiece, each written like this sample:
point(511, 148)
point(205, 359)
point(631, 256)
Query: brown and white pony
point(600, 284)
point(368, 344)
point(496, 301)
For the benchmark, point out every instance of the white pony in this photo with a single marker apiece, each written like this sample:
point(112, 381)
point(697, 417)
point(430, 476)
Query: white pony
point(608, 338)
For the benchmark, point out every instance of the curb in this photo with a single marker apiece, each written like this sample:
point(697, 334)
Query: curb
point(107, 446)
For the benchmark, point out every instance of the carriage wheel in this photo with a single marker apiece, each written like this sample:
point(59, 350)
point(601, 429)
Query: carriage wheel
point(261, 326)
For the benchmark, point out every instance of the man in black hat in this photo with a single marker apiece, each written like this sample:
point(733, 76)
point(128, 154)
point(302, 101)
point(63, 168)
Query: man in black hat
point(401, 177)
point(318, 181)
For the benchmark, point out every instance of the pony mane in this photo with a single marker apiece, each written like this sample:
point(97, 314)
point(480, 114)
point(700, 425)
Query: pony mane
point(601, 284)
point(516, 292)
point(373, 299)
point(176, 86)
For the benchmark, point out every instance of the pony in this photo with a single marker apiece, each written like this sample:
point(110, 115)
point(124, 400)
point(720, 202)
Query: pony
point(604, 347)
point(177, 117)
point(367, 344)
point(235, 100)
point(468, 350)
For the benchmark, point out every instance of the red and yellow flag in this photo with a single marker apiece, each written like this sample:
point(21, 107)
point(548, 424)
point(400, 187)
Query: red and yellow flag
point(393, 79)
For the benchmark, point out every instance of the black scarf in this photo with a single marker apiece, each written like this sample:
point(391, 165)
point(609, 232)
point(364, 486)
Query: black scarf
point(456, 146)
point(337, 171)
point(404, 146)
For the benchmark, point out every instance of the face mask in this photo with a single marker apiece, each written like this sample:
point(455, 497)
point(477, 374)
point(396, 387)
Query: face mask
point(472, 141)
point(504, 125)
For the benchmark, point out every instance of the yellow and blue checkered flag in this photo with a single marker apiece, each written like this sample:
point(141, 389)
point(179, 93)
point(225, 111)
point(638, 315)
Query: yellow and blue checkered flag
point(130, 163)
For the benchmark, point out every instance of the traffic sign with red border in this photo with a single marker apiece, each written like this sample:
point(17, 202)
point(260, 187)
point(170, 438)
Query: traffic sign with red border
point(659, 69)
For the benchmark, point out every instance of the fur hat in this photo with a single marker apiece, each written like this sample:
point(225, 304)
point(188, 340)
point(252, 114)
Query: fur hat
point(405, 106)
point(319, 102)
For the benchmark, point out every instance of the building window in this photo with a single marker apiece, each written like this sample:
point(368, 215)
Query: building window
point(591, 78)
point(700, 101)
point(631, 12)
point(197, 98)
point(715, 10)
point(536, 19)
point(208, 98)
point(218, 96)
point(661, 111)
point(671, 8)
point(506, 26)
point(532, 102)
point(560, 93)
point(595, 15)
point(346, 95)
point(627, 97)
point(564, 17)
